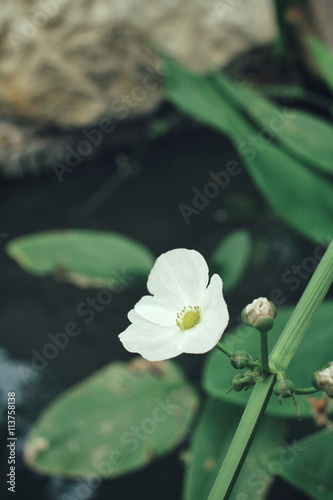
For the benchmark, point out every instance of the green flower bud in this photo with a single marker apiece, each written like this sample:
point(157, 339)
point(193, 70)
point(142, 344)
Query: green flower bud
point(259, 314)
point(323, 379)
point(241, 360)
point(240, 382)
point(284, 388)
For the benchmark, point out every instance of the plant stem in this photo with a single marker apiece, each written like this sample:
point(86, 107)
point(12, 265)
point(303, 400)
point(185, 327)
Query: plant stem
point(242, 440)
point(224, 349)
point(306, 390)
point(264, 351)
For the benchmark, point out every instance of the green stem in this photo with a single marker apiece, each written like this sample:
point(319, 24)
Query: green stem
point(303, 314)
point(305, 390)
point(224, 349)
point(242, 440)
point(264, 351)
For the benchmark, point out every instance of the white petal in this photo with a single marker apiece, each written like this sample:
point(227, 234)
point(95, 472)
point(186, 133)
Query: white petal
point(161, 312)
point(214, 303)
point(154, 343)
point(180, 273)
point(214, 318)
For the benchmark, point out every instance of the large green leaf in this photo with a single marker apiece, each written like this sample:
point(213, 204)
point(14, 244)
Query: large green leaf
point(299, 195)
point(83, 257)
point(210, 444)
point(307, 464)
point(304, 136)
point(114, 422)
point(231, 257)
point(315, 350)
point(323, 57)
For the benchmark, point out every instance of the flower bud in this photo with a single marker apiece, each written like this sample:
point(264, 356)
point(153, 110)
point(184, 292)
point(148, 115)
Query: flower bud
point(284, 388)
point(323, 379)
point(241, 360)
point(240, 382)
point(260, 314)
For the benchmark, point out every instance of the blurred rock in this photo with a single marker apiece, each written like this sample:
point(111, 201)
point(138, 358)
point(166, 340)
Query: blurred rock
point(70, 67)
point(25, 150)
point(70, 63)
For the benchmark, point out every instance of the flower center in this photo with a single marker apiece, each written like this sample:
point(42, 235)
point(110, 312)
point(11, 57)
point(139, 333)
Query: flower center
point(188, 317)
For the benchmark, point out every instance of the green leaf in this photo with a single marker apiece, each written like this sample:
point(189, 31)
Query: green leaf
point(315, 350)
point(231, 257)
point(83, 257)
point(306, 464)
point(115, 422)
point(210, 444)
point(299, 195)
point(195, 95)
point(304, 136)
point(323, 57)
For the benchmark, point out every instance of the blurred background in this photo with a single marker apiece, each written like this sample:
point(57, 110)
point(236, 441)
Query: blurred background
point(90, 140)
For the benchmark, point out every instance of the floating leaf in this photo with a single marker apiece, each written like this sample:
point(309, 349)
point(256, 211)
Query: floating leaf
point(231, 257)
point(306, 464)
point(298, 194)
point(83, 257)
point(115, 422)
point(315, 350)
point(210, 444)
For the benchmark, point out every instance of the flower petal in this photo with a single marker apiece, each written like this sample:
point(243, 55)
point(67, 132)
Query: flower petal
point(154, 343)
point(214, 318)
point(161, 312)
point(180, 273)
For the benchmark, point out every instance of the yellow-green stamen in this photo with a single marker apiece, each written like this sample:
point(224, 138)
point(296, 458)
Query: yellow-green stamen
point(188, 317)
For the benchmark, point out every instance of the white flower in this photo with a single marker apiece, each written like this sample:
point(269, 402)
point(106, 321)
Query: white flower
point(182, 314)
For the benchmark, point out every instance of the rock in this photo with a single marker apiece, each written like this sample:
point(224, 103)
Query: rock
point(25, 150)
point(71, 67)
point(70, 63)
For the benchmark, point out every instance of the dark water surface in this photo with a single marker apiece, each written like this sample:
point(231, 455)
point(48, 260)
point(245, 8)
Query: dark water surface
point(146, 208)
